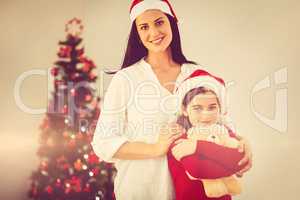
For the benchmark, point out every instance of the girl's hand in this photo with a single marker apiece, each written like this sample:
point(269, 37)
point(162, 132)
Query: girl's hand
point(168, 134)
point(244, 146)
point(184, 147)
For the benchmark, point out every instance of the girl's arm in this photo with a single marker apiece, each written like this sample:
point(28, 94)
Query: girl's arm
point(225, 156)
point(209, 160)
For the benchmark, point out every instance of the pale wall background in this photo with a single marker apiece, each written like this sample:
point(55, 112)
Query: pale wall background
point(243, 41)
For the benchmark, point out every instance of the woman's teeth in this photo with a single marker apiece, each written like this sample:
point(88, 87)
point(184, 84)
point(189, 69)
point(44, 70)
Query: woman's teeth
point(157, 41)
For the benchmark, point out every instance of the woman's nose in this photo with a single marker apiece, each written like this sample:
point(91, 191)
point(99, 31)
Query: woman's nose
point(154, 31)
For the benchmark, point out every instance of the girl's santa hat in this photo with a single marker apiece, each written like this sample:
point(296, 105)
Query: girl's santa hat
point(139, 6)
point(201, 78)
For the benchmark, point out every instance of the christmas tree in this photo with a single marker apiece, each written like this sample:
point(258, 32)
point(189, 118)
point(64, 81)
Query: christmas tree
point(69, 169)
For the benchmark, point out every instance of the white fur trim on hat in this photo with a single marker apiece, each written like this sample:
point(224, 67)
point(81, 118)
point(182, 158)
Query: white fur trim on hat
point(147, 5)
point(207, 82)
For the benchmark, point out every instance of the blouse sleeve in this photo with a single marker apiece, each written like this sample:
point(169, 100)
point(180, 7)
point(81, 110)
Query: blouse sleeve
point(109, 132)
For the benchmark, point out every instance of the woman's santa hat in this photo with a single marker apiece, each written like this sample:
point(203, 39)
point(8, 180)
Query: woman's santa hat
point(139, 6)
point(201, 78)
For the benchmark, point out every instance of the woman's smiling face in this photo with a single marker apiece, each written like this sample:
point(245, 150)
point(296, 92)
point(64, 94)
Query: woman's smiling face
point(154, 29)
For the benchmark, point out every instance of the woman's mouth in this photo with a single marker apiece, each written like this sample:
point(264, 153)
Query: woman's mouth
point(157, 41)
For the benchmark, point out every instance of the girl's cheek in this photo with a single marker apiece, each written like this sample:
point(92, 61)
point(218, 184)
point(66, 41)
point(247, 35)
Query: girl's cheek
point(214, 118)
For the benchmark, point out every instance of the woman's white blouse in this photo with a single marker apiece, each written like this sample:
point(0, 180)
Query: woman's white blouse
point(135, 106)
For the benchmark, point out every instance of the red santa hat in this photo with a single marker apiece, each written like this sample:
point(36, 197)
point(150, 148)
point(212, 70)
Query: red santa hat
point(139, 6)
point(201, 78)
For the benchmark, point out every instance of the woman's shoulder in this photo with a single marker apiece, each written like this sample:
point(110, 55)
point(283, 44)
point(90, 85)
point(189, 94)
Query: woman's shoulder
point(128, 76)
point(131, 70)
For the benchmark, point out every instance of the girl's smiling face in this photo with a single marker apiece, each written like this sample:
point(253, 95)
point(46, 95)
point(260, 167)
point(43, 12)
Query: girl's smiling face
point(154, 30)
point(203, 109)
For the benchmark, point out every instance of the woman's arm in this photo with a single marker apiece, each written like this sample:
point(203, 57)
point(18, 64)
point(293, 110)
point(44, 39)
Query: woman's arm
point(142, 150)
point(136, 150)
point(245, 147)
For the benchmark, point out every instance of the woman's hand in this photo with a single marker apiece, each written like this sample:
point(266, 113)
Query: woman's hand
point(167, 135)
point(184, 147)
point(244, 146)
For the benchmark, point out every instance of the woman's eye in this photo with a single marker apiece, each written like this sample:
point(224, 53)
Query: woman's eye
point(144, 27)
point(161, 22)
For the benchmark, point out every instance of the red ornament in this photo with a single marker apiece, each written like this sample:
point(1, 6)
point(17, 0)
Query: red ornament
point(76, 183)
point(95, 171)
point(93, 159)
point(74, 75)
point(88, 97)
point(88, 64)
point(80, 52)
point(86, 67)
point(54, 71)
point(92, 76)
point(65, 166)
point(64, 52)
point(49, 189)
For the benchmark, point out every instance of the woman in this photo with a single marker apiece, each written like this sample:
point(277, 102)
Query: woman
point(132, 130)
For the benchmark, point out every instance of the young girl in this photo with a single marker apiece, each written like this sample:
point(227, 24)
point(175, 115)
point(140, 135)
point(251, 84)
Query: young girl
point(194, 161)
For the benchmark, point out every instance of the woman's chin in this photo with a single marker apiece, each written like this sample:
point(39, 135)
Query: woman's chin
point(158, 48)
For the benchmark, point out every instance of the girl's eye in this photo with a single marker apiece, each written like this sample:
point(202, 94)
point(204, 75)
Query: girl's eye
point(198, 109)
point(212, 108)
